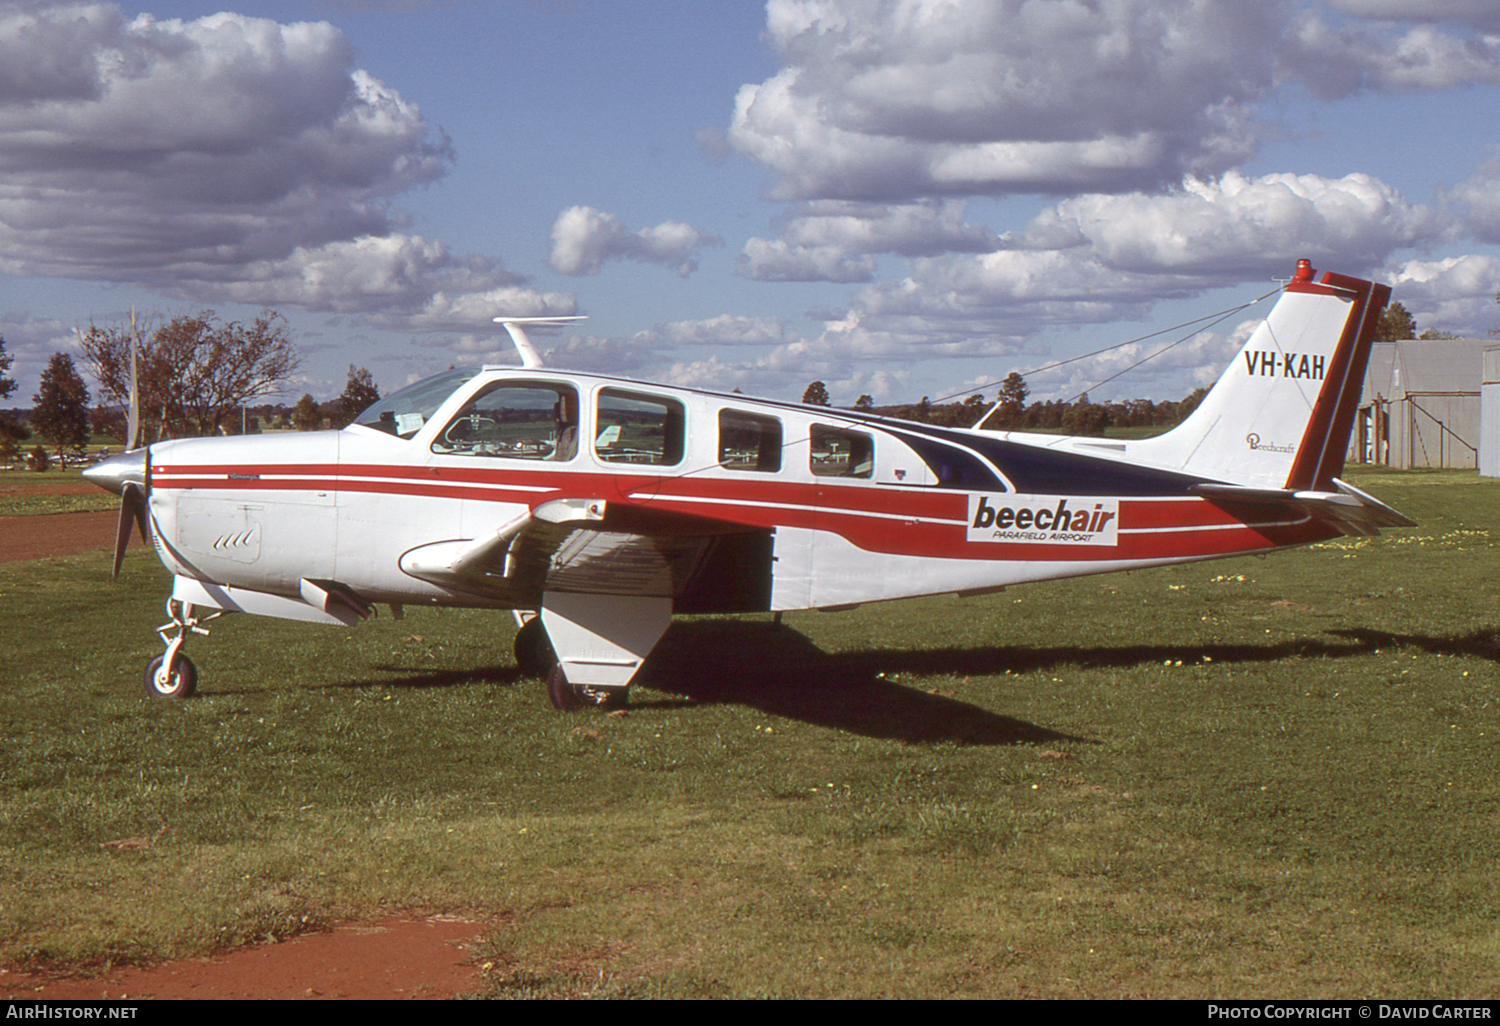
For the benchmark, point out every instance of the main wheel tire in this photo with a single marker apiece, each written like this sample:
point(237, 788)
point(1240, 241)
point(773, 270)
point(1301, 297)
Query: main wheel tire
point(563, 695)
point(183, 682)
point(533, 649)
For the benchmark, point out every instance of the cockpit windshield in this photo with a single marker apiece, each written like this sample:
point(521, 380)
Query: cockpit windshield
point(403, 413)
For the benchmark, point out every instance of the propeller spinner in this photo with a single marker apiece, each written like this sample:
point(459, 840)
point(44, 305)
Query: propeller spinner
point(126, 476)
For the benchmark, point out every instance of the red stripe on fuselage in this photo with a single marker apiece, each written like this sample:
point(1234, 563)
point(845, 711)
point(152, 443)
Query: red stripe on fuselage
point(924, 523)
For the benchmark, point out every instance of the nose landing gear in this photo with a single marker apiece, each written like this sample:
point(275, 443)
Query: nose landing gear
point(172, 674)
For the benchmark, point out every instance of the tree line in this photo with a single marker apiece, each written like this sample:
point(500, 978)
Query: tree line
point(1082, 417)
point(194, 375)
point(1009, 411)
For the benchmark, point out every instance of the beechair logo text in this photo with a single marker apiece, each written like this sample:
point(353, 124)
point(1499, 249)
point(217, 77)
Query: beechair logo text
point(1043, 519)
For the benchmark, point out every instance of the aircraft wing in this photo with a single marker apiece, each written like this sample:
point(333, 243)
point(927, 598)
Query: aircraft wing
point(574, 545)
point(1348, 510)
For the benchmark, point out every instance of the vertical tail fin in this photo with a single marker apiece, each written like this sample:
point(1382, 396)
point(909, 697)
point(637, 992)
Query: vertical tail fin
point(1280, 416)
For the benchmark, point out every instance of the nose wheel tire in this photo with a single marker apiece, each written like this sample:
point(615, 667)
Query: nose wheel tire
point(182, 683)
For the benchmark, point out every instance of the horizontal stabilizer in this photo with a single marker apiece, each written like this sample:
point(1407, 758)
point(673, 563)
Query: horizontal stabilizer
point(1348, 510)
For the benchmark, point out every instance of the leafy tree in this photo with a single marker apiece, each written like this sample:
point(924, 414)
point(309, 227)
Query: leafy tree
point(11, 432)
point(61, 413)
point(108, 420)
point(359, 392)
point(1396, 324)
point(195, 372)
point(1013, 393)
point(816, 394)
point(7, 383)
point(1190, 403)
point(1085, 418)
point(307, 416)
point(865, 403)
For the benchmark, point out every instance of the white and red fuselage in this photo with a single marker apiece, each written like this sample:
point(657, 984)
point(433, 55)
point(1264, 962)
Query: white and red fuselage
point(347, 505)
point(600, 499)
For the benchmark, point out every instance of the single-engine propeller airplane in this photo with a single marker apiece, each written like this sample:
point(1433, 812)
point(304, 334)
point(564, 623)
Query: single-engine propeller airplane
point(597, 507)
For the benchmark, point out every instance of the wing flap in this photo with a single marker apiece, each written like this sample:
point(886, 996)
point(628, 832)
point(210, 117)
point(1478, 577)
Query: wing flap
point(573, 545)
point(496, 564)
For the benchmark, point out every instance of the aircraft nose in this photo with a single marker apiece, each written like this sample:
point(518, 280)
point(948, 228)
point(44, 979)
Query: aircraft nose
point(114, 473)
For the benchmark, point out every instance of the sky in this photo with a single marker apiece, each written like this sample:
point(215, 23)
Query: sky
point(900, 198)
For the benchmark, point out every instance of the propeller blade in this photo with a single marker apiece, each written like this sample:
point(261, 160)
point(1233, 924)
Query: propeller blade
point(142, 514)
point(133, 415)
point(132, 513)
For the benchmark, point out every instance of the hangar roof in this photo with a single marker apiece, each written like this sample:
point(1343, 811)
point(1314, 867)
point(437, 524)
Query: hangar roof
point(1425, 367)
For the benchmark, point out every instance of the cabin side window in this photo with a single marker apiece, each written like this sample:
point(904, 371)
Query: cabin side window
point(633, 428)
point(837, 452)
point(523, 421)
point(748, 441)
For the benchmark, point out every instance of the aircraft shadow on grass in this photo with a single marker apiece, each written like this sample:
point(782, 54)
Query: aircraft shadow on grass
point(779, 671)
point(1483, 643)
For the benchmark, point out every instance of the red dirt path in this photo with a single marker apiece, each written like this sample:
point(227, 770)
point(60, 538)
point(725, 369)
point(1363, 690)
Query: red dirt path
point(422, 958)
point(399, 959)
point(59, 534)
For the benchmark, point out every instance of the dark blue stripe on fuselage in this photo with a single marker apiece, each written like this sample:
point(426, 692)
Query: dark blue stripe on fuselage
point(1031, 470)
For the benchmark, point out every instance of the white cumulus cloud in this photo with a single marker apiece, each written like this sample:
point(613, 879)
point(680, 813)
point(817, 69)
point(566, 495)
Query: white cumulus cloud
point(222, 158)
point(833, 240)
point(1235, 227)
point(1454, 294)
point(1477, 14)
point(899, 99)
point(886, 99)
point(779, 260)
point(583, 238)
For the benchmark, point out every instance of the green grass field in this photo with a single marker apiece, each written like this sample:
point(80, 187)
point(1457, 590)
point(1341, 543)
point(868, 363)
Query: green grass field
point(23, 493)
point(1255, 777)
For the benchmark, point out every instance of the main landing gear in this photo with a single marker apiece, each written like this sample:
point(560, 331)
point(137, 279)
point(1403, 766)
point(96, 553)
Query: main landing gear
point(566, 696)
point(536, 658)
point(533, 649)
point(172, 674)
